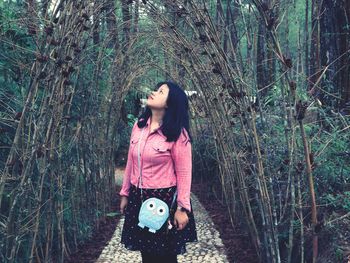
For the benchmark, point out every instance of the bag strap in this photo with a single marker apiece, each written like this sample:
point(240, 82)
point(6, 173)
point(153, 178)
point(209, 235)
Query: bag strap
point(139, 164)
point(138, 161)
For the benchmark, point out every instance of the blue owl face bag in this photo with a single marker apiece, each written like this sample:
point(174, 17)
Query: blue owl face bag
point(153, 212)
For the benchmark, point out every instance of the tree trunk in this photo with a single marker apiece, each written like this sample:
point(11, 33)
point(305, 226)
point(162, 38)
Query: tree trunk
point(220, 20)
point(126, 24)
point(261, 58)
point(306, 39)
point(315, 63)
point(334, 43)
point(111, 23)
point(136, 17)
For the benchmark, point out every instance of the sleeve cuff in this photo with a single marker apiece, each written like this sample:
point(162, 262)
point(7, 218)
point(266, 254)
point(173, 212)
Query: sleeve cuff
point(123, 193)
point(182, 207)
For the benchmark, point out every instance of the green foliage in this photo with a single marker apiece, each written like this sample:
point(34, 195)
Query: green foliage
point(131, 119)
point(113, 214)
point(338, 201)
point(332, 174)
point(339, 253)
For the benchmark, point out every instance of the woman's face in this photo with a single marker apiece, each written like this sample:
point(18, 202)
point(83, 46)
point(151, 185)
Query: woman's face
point(157, 99)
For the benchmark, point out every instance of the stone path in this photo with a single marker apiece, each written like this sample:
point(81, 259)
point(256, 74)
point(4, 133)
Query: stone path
point(208, 249)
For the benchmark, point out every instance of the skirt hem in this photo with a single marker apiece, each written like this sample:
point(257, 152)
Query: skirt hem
point(182, 250)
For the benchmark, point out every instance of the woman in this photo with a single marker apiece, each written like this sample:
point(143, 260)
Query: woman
point(166, 170)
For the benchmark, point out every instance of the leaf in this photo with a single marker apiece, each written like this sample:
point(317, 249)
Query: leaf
point(112, 214)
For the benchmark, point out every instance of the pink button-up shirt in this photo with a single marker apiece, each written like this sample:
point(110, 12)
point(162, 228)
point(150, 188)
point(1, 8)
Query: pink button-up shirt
point(163, 164)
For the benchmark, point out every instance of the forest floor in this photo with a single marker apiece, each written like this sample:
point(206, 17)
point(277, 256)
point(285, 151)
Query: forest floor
point(237, 244)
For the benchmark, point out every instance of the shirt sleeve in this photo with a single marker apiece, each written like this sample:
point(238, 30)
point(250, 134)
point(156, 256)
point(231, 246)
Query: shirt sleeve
point(182, 157)
point(128, 169)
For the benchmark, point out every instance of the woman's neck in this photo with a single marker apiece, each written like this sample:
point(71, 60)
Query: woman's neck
point(156, 118)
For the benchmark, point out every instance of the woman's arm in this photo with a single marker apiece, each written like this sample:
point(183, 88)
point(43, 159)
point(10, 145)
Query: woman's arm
point(182, 157)
point(128, 169)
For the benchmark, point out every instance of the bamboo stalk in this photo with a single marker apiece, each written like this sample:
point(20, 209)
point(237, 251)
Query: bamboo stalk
point(301, 219)
point(312, 192)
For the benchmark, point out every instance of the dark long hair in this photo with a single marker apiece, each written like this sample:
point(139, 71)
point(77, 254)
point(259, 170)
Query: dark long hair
point(176, 114)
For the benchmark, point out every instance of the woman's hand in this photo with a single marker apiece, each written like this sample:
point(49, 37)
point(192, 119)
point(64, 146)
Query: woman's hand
point(123, 204)
point(180, 219)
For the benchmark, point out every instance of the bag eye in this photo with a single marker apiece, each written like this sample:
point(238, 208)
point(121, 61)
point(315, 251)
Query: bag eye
point(161, 210)
point(151, 205)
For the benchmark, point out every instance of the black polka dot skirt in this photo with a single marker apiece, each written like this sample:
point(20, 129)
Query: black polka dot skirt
point(164, 241)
